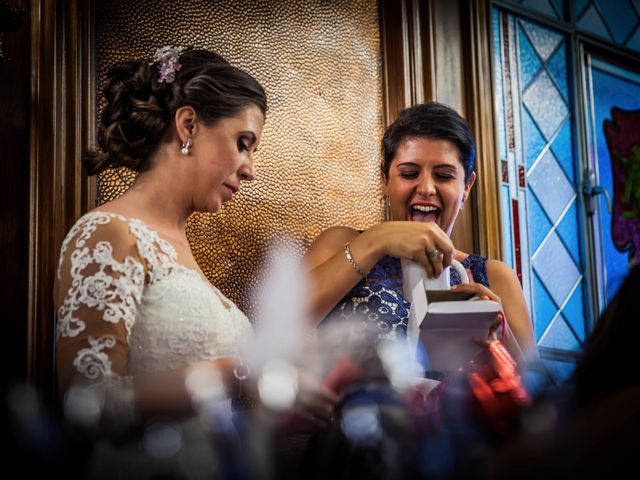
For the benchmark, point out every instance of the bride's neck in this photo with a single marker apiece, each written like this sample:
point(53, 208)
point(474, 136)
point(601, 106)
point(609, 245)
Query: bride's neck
point(161, 198)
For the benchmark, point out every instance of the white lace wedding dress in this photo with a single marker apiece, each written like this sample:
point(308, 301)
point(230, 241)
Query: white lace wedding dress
point(126, 306)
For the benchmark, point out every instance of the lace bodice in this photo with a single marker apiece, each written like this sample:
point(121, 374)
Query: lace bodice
point(127, 306)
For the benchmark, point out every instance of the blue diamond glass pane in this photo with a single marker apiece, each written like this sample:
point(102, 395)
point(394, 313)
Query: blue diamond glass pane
point(533, 140)
point(559, 370)
point(550, 184)
point(556, 269)
point(557, 66)
point(574, 313)
point(560, 336)
point(544, 40)
point(545, 309)
point(506, 225)
point(499, 92)
point(620, 16)
point(530, 63)
point(539, 224)
point(581, 5)
point(542, 6)
point(634, 42)
point(568, 231)
point(545, 104)
point(591, 22)
point(563, 150)
point(559, 7)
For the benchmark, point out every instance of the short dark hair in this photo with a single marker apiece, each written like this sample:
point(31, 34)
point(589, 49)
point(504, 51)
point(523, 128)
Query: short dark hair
point(434, 121)
point(139, 108)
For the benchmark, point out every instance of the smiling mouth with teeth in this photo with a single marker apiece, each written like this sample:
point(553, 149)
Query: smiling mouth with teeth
point(424, 213)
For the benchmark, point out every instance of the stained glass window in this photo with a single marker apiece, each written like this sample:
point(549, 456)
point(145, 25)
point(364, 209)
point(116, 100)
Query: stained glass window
point(568, 205)
point(613, 21)
point(552, 8)
point(613, 100)
point(539, 193)
point(616, 21)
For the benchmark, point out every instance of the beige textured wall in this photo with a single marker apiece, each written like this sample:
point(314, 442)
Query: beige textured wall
point(317, 166)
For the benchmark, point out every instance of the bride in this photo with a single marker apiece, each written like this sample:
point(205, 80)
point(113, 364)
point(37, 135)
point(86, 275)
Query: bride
point(135, 314)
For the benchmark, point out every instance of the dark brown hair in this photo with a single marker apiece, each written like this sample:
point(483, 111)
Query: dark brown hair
point(139, 108)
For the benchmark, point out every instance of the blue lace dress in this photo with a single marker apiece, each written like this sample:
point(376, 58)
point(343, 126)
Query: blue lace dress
point(378, 300)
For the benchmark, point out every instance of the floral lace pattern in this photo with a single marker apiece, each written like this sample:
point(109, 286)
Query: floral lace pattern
point(92, 361)
point(172, 315)
point(113, 290)
point(115, 296)
point(478, 266)
point(378, 299)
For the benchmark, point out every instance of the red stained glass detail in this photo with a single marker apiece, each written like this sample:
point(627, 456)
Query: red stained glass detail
point(505, 171)
point(623, 140)
point(516, 238)
point(521, 176)
point(506, 62)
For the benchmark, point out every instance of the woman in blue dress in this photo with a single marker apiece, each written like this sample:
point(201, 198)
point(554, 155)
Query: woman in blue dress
point(427, 175)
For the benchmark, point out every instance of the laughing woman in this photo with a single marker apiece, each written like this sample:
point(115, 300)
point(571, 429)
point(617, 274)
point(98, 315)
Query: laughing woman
point(427, 175)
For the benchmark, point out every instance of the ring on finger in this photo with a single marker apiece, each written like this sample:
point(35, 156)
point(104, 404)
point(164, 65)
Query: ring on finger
point(433, 253)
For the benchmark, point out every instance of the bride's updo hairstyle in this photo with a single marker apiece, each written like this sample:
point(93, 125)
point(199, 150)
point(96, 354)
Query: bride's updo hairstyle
point(141, 101)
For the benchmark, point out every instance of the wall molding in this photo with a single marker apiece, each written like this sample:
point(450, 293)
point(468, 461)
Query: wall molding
point(481, 118)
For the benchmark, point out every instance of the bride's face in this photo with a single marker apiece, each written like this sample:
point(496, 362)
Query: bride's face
point(224, 158)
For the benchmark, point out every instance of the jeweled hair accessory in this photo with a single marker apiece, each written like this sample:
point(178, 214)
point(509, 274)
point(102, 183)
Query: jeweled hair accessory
point(168, 64)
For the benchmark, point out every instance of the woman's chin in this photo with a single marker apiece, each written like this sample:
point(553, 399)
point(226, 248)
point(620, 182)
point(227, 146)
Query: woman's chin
point(210, 207)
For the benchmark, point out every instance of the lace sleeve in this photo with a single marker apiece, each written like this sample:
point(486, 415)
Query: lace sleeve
point(99, 285)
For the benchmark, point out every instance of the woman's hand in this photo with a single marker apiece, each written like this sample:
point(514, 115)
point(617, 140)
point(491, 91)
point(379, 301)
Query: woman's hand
point(424, 243)
point(482, 293)
point(313, 407)
point(332, 274)
point(479, 290)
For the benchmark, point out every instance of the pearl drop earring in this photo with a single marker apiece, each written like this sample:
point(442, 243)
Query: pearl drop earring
point(462, 204)
point(186, 146)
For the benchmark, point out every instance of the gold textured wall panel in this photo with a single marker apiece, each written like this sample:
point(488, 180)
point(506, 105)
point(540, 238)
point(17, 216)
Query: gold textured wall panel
point(317, 165)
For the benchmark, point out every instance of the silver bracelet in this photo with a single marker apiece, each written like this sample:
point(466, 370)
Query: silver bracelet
point(356, 267)
point(241, 372)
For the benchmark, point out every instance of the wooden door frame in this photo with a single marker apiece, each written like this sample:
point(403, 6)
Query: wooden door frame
point(62, 125)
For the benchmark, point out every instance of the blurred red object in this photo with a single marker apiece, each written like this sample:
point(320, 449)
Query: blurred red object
point(344, 373)
point(496, 387)
point(488, 393)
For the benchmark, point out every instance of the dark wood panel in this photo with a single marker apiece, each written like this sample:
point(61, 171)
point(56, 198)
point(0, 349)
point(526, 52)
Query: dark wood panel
point(14, 194)
point(63, 101)
point(393, 48)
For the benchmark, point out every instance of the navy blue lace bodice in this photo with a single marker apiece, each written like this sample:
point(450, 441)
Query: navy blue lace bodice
point(378, 300)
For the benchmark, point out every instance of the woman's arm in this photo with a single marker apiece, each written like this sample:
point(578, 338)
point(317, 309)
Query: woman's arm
point(98, 288)
point(180, 393)
point(505, 284)
point(332, 275)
